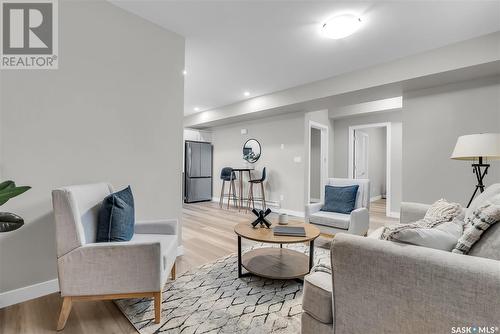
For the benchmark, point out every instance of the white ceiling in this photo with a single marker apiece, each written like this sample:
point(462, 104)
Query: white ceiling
point(263, 47)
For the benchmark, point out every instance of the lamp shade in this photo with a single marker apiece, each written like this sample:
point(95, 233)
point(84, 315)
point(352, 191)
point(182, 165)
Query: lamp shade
point(471, 147)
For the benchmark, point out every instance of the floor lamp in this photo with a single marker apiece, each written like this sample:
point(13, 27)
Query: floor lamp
point(478, 148)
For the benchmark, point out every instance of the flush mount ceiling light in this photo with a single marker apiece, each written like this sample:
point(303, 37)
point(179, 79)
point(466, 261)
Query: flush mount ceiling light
point(341, 26)
point(246, 94)
point(196, 109)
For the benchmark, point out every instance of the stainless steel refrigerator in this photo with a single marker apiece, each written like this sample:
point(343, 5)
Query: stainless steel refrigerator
point(197, 172)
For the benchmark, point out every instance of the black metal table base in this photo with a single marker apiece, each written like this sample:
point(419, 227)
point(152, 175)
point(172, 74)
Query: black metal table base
point(240, 267)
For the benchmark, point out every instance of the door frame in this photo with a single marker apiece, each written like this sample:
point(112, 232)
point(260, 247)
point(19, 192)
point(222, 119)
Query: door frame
point(323, 156)
point(350, 166)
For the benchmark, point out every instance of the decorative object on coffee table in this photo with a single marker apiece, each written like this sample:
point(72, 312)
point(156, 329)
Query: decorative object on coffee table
point(261, 218)
point(273, 262)
point(283, 219)
point(478, 147)
point(291, 231)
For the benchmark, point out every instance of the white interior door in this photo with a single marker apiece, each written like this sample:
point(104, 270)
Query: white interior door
point(360, 169)
point(315, 164)
point(317, 171)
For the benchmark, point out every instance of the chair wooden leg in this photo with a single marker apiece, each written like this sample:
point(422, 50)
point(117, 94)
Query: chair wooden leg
point(248, 195)
point(172, 272)
point(263, 196)
point(157, 298)
point(240, 200)
point(251, 191)
point(235, 198)
point(248, 201)
point(221, 199)
point(229, 195)
point(65, 310)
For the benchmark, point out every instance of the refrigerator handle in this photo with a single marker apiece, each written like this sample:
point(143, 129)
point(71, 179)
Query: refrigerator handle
point(188, 160)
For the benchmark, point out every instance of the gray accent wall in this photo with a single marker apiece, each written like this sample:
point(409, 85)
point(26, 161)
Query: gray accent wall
point(113, 111)
point(432, 121)
point(341, 148)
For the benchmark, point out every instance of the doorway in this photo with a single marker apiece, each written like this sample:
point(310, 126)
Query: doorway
point(318, 161)
point(370, 158)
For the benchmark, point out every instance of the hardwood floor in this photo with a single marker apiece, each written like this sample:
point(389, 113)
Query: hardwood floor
point(207, 235)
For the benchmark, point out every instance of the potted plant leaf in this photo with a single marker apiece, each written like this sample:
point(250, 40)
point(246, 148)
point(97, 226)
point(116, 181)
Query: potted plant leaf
point(9, 221)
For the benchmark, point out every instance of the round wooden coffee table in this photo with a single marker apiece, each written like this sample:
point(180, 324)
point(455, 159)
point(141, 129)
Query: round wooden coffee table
point(273, 262)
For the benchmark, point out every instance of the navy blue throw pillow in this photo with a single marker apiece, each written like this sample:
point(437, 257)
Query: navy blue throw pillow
point(116, 217)
point(340, 199)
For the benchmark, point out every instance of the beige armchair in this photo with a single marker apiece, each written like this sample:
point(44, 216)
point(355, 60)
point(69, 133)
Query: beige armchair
point(113, 270)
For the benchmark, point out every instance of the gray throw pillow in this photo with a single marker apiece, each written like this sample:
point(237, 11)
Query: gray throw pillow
point(438, 213)
point(443, 237)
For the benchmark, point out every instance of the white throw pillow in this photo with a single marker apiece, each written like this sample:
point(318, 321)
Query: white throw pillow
point(443, 237)
point(442, 211)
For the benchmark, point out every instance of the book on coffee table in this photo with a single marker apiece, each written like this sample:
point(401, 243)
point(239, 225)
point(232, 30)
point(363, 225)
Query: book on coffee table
point(292, 231)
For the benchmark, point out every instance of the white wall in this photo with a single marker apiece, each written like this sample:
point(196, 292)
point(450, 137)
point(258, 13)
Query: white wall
point(341, 148)
point(432, 120)
point(377, 159)
point(113, 111)
point(285, 177)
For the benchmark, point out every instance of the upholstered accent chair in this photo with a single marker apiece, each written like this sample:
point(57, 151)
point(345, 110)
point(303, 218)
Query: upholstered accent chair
point(332, 222)
point(109, 270)
point(380, 286)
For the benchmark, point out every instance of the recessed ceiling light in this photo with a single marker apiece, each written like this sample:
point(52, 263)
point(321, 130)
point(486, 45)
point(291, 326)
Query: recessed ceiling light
point(196, 109)
point(246, 93)
point(341, 26)
point(184, 72)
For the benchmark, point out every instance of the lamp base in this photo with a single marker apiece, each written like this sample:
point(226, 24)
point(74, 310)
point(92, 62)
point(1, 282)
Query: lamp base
point(480, 174)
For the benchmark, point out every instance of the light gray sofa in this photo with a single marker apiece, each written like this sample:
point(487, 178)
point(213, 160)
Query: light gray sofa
point(380, 286)
point(332, 222)
point(108, 270)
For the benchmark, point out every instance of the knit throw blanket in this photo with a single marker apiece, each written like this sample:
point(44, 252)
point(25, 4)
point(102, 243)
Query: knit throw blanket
point(440, 212)
point(323, 268)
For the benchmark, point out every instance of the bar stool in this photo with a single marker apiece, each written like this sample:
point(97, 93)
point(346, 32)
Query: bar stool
point(262, 191)
point(227, 174)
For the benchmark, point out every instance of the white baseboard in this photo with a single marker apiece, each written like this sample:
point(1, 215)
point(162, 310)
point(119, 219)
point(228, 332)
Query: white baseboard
point(375, 198)
point(180, 250)
point(300, 214)
point(394, 214)
point(29, 292)
point(274, 206)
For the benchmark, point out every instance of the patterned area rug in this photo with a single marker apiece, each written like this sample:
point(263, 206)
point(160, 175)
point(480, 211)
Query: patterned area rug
point(212, 299)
